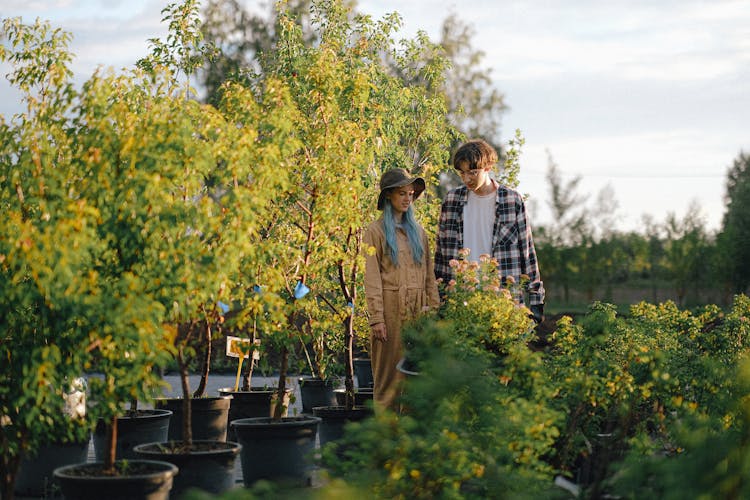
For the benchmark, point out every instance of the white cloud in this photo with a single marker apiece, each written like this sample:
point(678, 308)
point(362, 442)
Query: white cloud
point(635, 40)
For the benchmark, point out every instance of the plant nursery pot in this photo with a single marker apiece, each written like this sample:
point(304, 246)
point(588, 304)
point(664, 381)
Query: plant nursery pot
point(257, 402)
point(316, 392)
point(35, 474)
point(361, 396)
point(334, 418)
point(210, 417)
point(149, 426)
point(148, 480)
point(277, 450)
point(363, 372)
point(407, 367)
point(207, 465)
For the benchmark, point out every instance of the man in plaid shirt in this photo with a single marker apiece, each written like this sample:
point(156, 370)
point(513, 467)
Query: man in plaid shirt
point(487, 218)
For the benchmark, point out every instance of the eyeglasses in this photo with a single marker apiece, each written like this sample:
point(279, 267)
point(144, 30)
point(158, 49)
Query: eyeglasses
point(473, 173)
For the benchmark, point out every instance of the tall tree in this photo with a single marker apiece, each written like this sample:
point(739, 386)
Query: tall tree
point(244, 38)
point(475, 105)
point(686, 250)
point(604, 212)
point(653, 232)
point(238, 35)
point(735, 233)
point(568, 207)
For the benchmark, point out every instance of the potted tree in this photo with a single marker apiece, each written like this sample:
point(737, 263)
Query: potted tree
point(335, 417)
point(39, 321)
point(116, 144)
point(237, 184)
point(51, 262)
point(249, 400)
point(208, 415)
point(242, 182)
point(357, 147)
point(320, 170)
point(151, 150)
point(259, 311)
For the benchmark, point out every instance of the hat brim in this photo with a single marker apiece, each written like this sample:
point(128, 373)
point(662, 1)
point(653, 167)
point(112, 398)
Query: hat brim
point(419, 187)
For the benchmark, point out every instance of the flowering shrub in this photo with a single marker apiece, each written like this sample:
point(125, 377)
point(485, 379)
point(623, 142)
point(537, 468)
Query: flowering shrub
point(465, 431)
point(612, 403)
point(481, 304)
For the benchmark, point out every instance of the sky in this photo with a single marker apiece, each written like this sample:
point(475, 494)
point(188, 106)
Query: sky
point(648, 98)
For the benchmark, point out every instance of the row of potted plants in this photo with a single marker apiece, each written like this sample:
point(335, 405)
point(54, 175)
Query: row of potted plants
point(139, 222)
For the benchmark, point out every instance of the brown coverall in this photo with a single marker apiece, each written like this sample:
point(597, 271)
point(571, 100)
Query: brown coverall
point(394, 294)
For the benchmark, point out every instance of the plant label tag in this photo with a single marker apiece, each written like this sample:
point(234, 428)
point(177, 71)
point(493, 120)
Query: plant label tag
point(238, 347)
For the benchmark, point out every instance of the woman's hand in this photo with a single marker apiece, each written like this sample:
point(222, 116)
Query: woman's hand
point(378, 332)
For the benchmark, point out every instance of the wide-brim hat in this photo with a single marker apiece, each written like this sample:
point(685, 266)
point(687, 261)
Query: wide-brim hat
point(395, 178)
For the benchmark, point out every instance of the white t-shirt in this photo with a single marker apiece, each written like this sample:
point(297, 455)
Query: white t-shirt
point(479, 219)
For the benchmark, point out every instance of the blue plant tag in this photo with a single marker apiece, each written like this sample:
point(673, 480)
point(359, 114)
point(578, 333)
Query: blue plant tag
point(224, 307)
point(300, 290)
point(257, 288)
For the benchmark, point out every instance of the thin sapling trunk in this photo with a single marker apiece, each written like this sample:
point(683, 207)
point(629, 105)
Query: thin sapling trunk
point(247, 376)
point(200, 391)
point(187, 420)
point(280, 404)
point(111, 450)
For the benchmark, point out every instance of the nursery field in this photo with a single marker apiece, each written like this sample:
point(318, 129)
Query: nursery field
point(141, 226)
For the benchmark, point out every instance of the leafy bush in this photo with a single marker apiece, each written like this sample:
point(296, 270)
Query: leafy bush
point(709, 463)
point(465, 433)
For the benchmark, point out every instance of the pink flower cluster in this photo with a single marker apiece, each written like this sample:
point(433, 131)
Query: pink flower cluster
point(473, 276)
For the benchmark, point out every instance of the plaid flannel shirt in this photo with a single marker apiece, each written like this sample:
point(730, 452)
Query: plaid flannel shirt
point(512, 243)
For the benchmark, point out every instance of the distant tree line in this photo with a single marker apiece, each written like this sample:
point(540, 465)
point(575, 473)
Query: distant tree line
point(585, 258)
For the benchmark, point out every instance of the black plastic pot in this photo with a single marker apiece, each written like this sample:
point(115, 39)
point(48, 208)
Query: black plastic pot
point(363, 372)
point(361, 396)
point(82, 482)
point(35, 475)
point(315, 391)
point(407, 367)
point(207, 465)
point(278, 450)
point(210, 417)
point(257, 402)
point(149, 426)
point(333, 419)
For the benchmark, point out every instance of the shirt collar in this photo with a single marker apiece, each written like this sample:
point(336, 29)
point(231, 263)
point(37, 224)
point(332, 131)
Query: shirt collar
point(463, 192)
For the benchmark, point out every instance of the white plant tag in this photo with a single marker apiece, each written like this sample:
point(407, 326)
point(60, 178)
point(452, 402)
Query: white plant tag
point(237, 345)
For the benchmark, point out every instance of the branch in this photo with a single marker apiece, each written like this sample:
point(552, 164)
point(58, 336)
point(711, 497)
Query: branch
point(307, 211)
point(328, 303)
point(342, 281)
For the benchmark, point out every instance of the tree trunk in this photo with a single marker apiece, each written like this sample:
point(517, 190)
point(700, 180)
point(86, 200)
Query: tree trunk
point(187, 418)
point(279, 408)
point(201, 390)
point(349, 380)
point(10, 465)
point(111, 451)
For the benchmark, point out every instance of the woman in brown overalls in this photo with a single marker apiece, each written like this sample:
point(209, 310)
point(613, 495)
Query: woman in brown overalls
point(399, 279)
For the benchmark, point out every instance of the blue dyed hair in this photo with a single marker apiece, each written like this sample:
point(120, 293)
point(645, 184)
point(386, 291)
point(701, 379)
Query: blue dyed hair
point(410, 226)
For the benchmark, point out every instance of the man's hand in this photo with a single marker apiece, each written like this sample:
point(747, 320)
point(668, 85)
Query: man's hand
point(537, 313)
point(378, 332)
